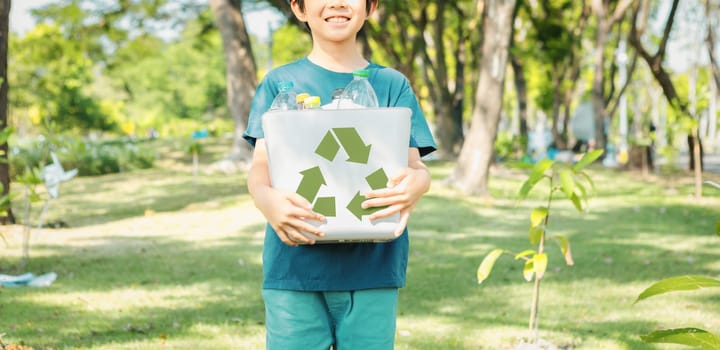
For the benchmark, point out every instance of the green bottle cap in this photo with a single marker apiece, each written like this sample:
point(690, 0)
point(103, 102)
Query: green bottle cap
point(361, 73)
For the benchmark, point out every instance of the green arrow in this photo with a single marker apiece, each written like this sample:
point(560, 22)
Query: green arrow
point(325, 206)
point(377, 180)
point(355, 207)
point(353, 145)
point(328, 147)
point(310, 183)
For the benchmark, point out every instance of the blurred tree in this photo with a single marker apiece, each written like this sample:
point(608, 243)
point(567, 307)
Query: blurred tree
point(4, 168)
point(52, 73)
point(607, 14)
point(519, 52)
point(712, 15)
point(655, 63)
point(555, 41)
point(428, 41)
point(472, 170)
point(241, 71)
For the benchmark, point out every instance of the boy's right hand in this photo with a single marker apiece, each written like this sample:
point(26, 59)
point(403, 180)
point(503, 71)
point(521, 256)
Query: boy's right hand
point(285, 211)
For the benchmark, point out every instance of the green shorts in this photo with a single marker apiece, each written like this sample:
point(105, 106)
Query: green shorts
point(356, 320)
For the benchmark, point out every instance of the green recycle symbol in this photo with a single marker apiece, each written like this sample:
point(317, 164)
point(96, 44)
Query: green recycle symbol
point(358, 152)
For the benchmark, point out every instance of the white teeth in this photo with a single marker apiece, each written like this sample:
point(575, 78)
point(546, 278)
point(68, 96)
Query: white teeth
point(337, 19)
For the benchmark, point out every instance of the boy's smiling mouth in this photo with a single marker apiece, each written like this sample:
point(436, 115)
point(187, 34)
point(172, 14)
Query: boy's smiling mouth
point(337, 19)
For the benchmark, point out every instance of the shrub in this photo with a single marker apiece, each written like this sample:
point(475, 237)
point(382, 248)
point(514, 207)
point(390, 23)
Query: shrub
point(89, 157)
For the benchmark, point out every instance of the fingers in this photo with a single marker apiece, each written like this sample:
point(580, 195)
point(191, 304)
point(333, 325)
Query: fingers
point(292, 236)
point(305, 208)
point(386, 199)
point(385, 212)
point(404, 215)
point(298, 238)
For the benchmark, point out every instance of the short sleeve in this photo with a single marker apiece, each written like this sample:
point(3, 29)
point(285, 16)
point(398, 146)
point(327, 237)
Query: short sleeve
point(420, 135)
point(264, 95)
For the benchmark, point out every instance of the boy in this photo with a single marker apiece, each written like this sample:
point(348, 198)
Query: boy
point(339, 295)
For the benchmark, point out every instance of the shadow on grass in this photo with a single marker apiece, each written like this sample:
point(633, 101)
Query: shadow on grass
point(102, 199)
point(612, 248)
point(186, 284)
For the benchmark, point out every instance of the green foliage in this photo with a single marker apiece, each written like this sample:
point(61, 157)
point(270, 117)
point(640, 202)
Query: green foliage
point(30, 178)
point(505, 145)
point(573, 183)
point(184, 80)
point(89, 157)
point(680, 283)
point(90, 66)
point(289, 44)
point(195, 147)
point(52, 73)
point(684, 336)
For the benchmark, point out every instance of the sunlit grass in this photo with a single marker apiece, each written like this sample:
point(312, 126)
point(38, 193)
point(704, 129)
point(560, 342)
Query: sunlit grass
point(161, 259)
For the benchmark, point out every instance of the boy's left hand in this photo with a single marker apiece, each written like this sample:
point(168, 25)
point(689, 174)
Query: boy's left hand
point(402, 193)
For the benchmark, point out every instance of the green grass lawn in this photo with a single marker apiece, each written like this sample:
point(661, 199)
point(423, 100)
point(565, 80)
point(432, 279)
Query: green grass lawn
point(161, 259)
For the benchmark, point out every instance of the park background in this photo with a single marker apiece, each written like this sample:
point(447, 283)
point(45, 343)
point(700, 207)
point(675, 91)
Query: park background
point(156, 242)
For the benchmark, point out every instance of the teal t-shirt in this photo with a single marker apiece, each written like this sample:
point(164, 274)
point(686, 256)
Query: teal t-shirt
point(346, 266)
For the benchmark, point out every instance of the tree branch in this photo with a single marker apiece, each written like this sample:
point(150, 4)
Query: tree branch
point(668, 28)
point(710, 41)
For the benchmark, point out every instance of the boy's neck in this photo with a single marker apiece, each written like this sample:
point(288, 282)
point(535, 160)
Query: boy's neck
point(342, 58)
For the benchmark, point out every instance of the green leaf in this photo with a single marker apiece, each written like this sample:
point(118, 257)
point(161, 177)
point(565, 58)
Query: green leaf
point(487, 264)
point(717, 227)
point(524, 253)
point(538, 171)
point(537, 216)
point(525, 189)
point(582, 190)
point(576, 202)
point(589, 180)
point(528, 270)
point(564, 244)
point(587, 159)
point(536, 234)
point(679, 283)
point(685, 336)
point(540, 264)
point(567, 182)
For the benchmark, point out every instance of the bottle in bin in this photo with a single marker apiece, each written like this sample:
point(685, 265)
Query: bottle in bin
point(335, 103)
point(311, 102)
point(285, 99)
point(359, 93)
point(300, 100)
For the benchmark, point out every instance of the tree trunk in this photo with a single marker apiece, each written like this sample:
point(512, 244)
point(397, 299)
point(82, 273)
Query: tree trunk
point(241, 71)
point(521, 91)
point(4, 166)
point(559, 137)
point(448, 124)
point(471, 173)
point(598, 85)
point(710, 42)
point(606, 18)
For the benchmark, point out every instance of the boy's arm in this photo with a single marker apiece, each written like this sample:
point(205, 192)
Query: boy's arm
point(403, 191)
point(284, 210)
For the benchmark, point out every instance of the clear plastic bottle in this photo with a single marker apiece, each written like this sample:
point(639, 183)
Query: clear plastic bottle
point(359, 93)
point(285, 99)
point(335, 103)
